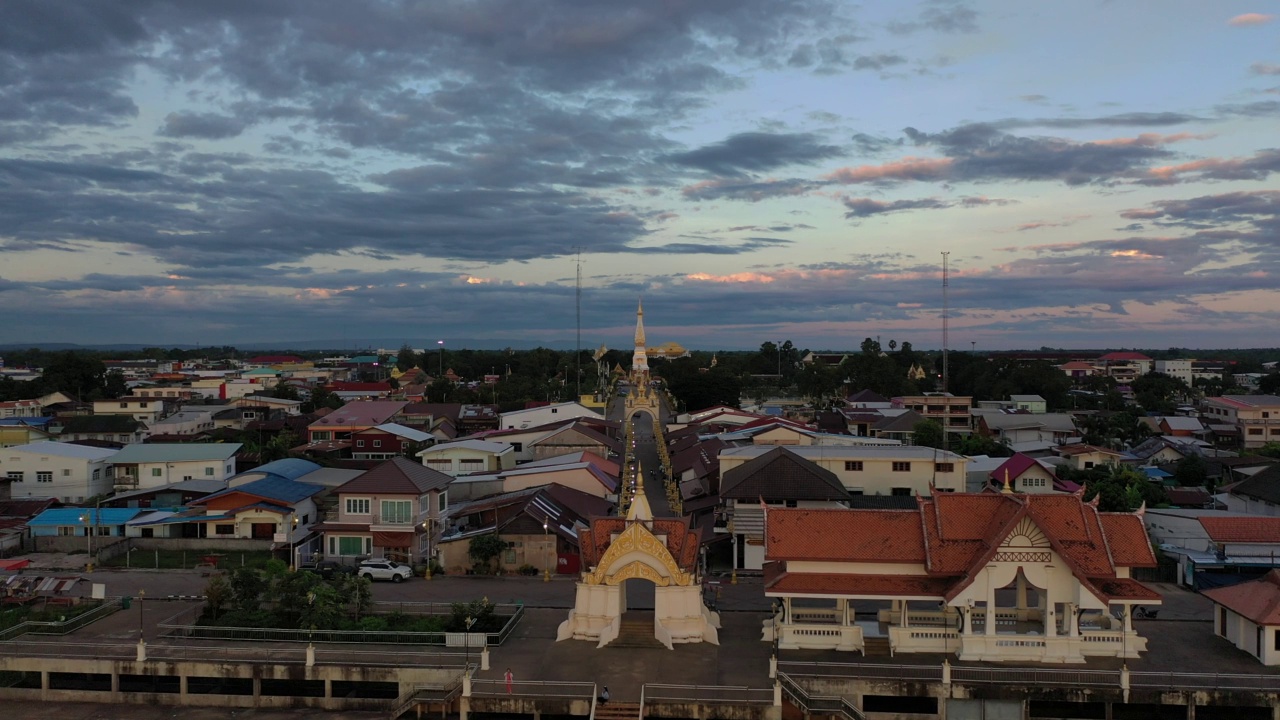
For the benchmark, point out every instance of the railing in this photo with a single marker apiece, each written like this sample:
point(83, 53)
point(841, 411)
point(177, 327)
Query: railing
point(1034, 677)
point(864, 670)
point(823, 704)
point(183, 624)
point(37, 627)
point(721, 694)
point(276, 655)
point(533, 688)
point(418, 693)
point(1204, 681)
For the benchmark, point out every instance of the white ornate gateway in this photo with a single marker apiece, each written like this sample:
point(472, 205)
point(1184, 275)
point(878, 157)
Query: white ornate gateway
point(663, 551)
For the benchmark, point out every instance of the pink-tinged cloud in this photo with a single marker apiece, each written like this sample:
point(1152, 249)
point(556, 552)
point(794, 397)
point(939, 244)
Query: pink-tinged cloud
point(743, 277)
point(908, 168)
point(1248, 19)
point(473, 280)
point(1135, 254)
point(1150, 140)
point(1264, 69)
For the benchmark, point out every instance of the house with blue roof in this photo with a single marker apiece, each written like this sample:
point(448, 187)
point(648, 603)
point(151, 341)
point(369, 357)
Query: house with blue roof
point(71, 521)
point(273, 508)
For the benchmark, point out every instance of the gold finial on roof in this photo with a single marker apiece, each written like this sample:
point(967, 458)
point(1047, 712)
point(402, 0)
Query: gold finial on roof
point(1006, 489)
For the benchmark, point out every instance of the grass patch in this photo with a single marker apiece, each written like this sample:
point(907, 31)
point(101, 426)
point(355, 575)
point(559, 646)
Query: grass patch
point(187, 559)
point(36, 612)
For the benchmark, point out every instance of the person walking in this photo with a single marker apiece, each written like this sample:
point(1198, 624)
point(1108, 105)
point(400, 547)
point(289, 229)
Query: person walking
point(510, 679)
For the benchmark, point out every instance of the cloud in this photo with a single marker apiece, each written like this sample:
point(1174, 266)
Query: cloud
point(755, 152)
point(908, 168)
point(1264, 69)
point(1248, 19)
point(208, 126)
point(943, 16)
point(878, 62)
point(749, 190)
point(1258, 167)
point(867, 207)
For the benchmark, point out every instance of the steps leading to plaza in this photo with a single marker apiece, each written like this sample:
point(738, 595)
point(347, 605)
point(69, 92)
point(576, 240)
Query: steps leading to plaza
point(876, 647)
point(617, 711)
point(636, 631)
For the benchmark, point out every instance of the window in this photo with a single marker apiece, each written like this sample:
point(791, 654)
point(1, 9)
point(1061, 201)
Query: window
point(14, 475)
point(944, 467)
point(66, 473)
point(1088, 464)
point(443, 502)
point(67, 530)
point(320, 435)
point(853, 465)
point(555, 410)
point(359, 443)
point(224, 529)
point(123, 438)
point(438, 463)
point(208, 471)
point(156, 472)
point(357, 506)
point(902, 467)
point(1255, 431)
point(350, 545)
point(97, 473)
point(399, 512)
point(900, 492)
point(377, 443)
point(124, 405)
point(471, 463)
point(517, 446)
point(44, 476)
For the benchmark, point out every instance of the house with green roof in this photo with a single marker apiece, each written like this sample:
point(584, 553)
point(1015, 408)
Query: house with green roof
point(144, 466)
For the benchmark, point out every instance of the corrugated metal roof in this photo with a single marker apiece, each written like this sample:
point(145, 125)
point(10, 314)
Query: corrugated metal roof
point(72, 516)
point(175, 452)
point(62, 449)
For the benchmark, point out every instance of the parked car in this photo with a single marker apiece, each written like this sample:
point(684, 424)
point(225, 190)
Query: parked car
point(384, 570)
point(329, 568)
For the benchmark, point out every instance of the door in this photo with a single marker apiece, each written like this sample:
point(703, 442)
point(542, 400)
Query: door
point(263, 531)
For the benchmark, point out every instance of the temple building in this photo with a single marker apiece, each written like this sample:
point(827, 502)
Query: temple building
point(989, 577)
point(640, 358)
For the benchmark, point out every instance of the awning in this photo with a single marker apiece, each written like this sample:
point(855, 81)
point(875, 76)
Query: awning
point(393, 539)
point(14, 565)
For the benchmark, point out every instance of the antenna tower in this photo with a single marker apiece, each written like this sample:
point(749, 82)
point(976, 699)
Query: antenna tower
point(577, 355)
point(945, 320)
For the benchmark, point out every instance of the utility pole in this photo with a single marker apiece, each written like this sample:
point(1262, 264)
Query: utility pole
point(577, 347)
point(945, 319)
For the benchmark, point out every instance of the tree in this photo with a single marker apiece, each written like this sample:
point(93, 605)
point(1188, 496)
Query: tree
point(1269, 384)
point(247, 588)
point(817, 382)
point(970, 444)
point(114, 385)
point(77, 374)
point(406, 359)
point(217, 593)
point(1119, 488)
point(927, 433)
point(1191, 471)
point(483, 549)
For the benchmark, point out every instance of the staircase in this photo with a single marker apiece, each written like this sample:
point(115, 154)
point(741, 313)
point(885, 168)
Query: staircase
point(876, 647)
point(636, 631)
point(617, 711)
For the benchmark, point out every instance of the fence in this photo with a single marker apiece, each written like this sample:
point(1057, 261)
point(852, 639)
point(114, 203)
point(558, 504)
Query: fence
point(534, 688)
point(183, 624)
point(730, 694)
point(1034, 676)
point(277, 655)
point(822, 704)
point(60, 627)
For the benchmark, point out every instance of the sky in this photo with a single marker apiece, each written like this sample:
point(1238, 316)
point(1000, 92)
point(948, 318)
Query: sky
point(1101, 173)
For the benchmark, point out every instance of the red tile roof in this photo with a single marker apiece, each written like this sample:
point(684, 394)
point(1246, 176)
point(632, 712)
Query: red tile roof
point(1257, 600)
point(1123, 589)
point(397, 476)
point(1117, 356)
point(1242, 529)
point(1015, 466)
point(843, 535)
point(954, 535)
point(835, 584)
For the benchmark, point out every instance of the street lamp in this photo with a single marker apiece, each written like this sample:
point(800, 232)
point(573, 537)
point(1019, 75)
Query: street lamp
point(141, 594)
point(293, 552)
point(426, 525)
point(466, 644)
point(441, 344)
point(88, 539)
point(546, 538)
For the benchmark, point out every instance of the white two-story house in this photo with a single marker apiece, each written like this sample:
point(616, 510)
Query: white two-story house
point(64, 471)
point(141, 466)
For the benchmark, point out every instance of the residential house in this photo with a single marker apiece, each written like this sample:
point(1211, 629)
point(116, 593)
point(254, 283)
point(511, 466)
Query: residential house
point(173, 495)
point(140, 466)
point(1082, 456)
point(353, 417)
point(145, 410)
point(390, 511)
point(1248, 616)
point(65, 471)
point(80, 522)
point(583, 471)
point(1027, 431)
point(1257, 417)
point(21, 408)
point(1213, 547)
point(953, 412)
point(534, 416)
point(123, 429)
point(539, 524)
point(777, 477)
point(1033, 404)
point(1025, 474)
point(388, 440)
point(939, 574)
point(867, 400)
point(1258, 494)
point(871, 470)
point(24, 431)
point(273, 404)
point(1125, 366)
point(1164, 450)
point(188, 422)
point(1180, 426)
point(464, 457)
point(349, 391)
point(274, 508)
point(579, 436)
point(1079, 369)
